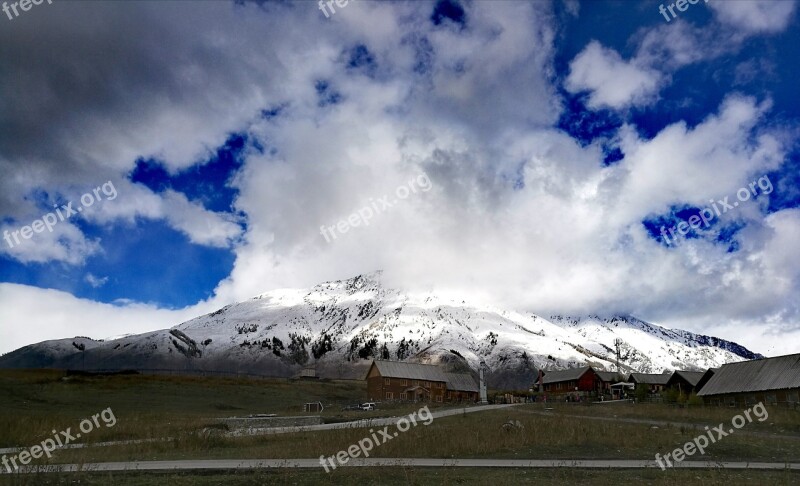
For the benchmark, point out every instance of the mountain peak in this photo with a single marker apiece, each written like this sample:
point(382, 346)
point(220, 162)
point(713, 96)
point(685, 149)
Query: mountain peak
point(339, 326)
point(360, 283)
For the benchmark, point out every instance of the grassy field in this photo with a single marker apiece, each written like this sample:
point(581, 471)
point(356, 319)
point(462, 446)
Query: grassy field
point(34, 403)
point(780, 421)
point(478, 435)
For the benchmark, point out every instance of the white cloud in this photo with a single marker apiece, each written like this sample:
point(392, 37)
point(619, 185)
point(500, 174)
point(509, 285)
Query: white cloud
point(715, 153)
point(611, 81)
point(31, 314)
point(203, 227)
point(66, 243)
point(95, 282)
point(664, 49)
point(669, 47)
point(573, 7)
point(569, 241)
point(755, 16)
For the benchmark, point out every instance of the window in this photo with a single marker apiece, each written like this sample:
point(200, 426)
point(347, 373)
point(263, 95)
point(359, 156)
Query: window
point(449, 395)
point(427, 384)
point(438, 398)
point(792, 397)
point(404, 396)
point(386, 381)
point(404, 382)
point(441, 385)
point(772, 398)
point(389, 396)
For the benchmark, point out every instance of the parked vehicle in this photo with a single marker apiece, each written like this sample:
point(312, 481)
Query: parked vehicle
point(368, 406)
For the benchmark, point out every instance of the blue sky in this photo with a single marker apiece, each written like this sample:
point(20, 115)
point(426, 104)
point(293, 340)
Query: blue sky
point(560, 138)
point(162, 265)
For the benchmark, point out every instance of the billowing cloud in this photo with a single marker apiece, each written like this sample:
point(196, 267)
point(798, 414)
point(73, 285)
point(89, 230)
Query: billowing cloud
point(611, 81)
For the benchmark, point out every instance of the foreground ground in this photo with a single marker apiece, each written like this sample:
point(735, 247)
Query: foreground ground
point(421, 476)
point(34, 403)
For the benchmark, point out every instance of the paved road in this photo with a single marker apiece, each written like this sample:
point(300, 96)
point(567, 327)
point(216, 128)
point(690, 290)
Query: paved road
point(233, 464)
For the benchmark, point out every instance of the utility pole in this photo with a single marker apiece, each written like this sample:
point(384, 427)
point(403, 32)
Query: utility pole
point(617, 344)
point(484, 398)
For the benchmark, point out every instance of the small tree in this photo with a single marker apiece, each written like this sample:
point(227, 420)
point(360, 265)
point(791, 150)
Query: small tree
point(641, 392)
point(695, 400)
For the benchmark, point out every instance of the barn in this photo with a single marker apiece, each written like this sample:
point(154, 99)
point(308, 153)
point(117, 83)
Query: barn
point(773, 381)
point(583, 381)
point(705, 379)
point(655, 382)
point(608, 378)
point(398, 380)
point(685, 382)
point(461, 387)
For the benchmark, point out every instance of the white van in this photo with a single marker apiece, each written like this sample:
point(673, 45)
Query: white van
point(368, 406)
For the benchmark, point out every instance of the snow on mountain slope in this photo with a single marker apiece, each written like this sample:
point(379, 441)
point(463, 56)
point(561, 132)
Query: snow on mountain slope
point(343, 324)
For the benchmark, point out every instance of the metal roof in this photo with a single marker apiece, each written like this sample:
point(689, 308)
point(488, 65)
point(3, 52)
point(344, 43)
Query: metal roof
point(691, 377)
point(778, 373)
point(610, 376)
point(461, 382)
point(413, 371)
point(564, 375)
point(650, 378)
point(705, 379)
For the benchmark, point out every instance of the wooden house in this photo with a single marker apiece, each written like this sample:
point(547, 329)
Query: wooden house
point(582, 381)
point(608, 378)
point(772, 381)
point(397, 380)
point(685, 382)
point(655, 382)
point(705, 379)
point(461, 387)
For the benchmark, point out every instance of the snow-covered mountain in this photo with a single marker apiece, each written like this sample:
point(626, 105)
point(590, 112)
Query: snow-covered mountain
point(339, 326)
